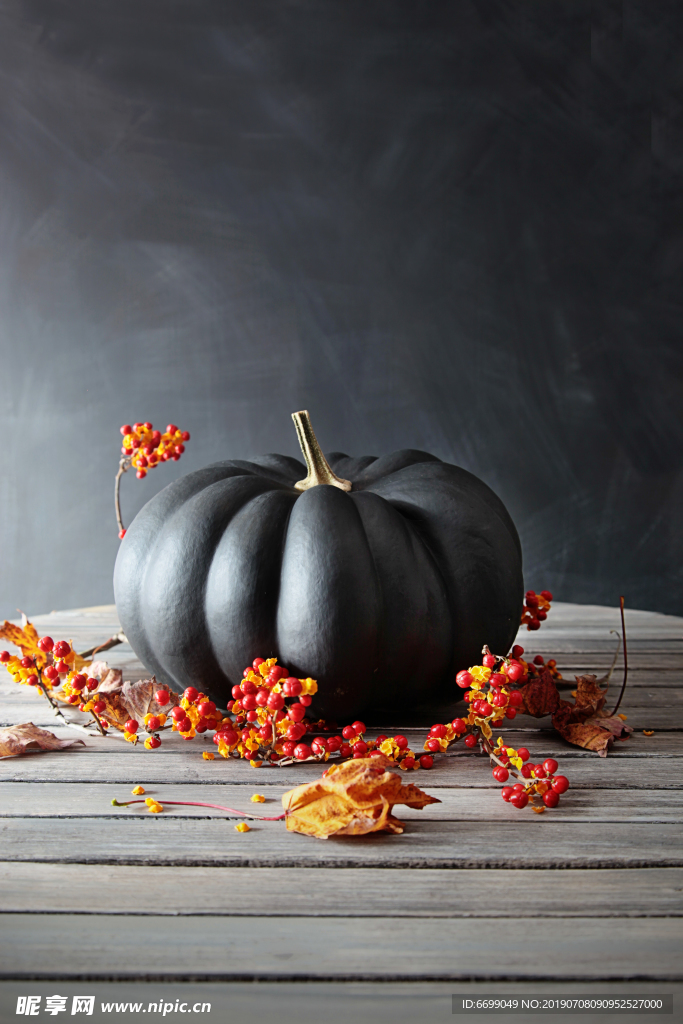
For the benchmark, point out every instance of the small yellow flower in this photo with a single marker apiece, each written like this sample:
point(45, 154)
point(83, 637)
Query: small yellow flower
point(242, 827)
point(150, 800)
point(256, 764)
point(138, 791)
point(207, 755)
point(648, 732)
point(257, 798)
point(156, 808)
point(624, 718)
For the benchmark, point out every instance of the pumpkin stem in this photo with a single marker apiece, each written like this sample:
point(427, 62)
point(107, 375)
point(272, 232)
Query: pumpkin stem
point(319, 470)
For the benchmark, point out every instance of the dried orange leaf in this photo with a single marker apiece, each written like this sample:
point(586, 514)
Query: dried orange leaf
point(24, 637)
point(351, 799)
point(115, 712)
point(22, 739)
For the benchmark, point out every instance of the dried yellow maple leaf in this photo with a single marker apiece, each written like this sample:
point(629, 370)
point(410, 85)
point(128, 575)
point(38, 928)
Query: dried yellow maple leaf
point(351, 799)
point(26, 638)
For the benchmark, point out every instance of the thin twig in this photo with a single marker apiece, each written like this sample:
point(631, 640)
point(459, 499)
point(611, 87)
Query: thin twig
point(608, 675)
point(123, 468)
point(197, 803)
point(623, 637)
point(113, 641)
point(57, 711)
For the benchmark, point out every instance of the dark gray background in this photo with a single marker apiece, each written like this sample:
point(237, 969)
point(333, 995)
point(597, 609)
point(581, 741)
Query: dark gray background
point(451, 226)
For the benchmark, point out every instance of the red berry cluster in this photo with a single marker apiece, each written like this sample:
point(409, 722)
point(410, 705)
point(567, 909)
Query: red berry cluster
point(398, 749)
point(489, 686)
point(535, 667)
point(492, 698)
point(146, 447)
point(270, 724)
point(535, 780)
point(194, 713)
point(536, 608)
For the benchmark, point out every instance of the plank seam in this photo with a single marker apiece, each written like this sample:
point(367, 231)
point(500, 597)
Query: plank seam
point(393, 979)
point(603, 863)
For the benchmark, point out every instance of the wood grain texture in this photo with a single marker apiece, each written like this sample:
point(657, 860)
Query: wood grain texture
point(367, 892)
point(71, 800)
point(336, 948)
point(526, 842)
point(112, 762)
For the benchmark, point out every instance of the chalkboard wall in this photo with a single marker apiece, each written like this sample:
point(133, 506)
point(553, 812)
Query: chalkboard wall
point(451, 226)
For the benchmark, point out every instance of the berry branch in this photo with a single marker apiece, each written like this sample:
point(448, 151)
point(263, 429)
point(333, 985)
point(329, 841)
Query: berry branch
point(266, 720)
point(143, 449)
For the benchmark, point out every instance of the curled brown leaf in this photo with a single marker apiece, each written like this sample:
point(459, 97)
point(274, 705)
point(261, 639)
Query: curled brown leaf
point(139, 698)
point(24, 738)
point(351, 799)
point(540, 695)
point(583, 722)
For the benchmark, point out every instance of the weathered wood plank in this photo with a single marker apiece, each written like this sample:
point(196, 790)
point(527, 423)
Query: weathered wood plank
point(645, 770)
point(370, 892)
point(531, 841)
point(336, 948)
point(58, 800)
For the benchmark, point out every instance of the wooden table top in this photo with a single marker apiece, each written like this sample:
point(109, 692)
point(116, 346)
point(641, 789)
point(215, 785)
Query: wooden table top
point(474, 897)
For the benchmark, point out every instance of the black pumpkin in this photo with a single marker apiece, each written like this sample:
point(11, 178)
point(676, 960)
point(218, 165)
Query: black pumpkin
point(380, 584)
